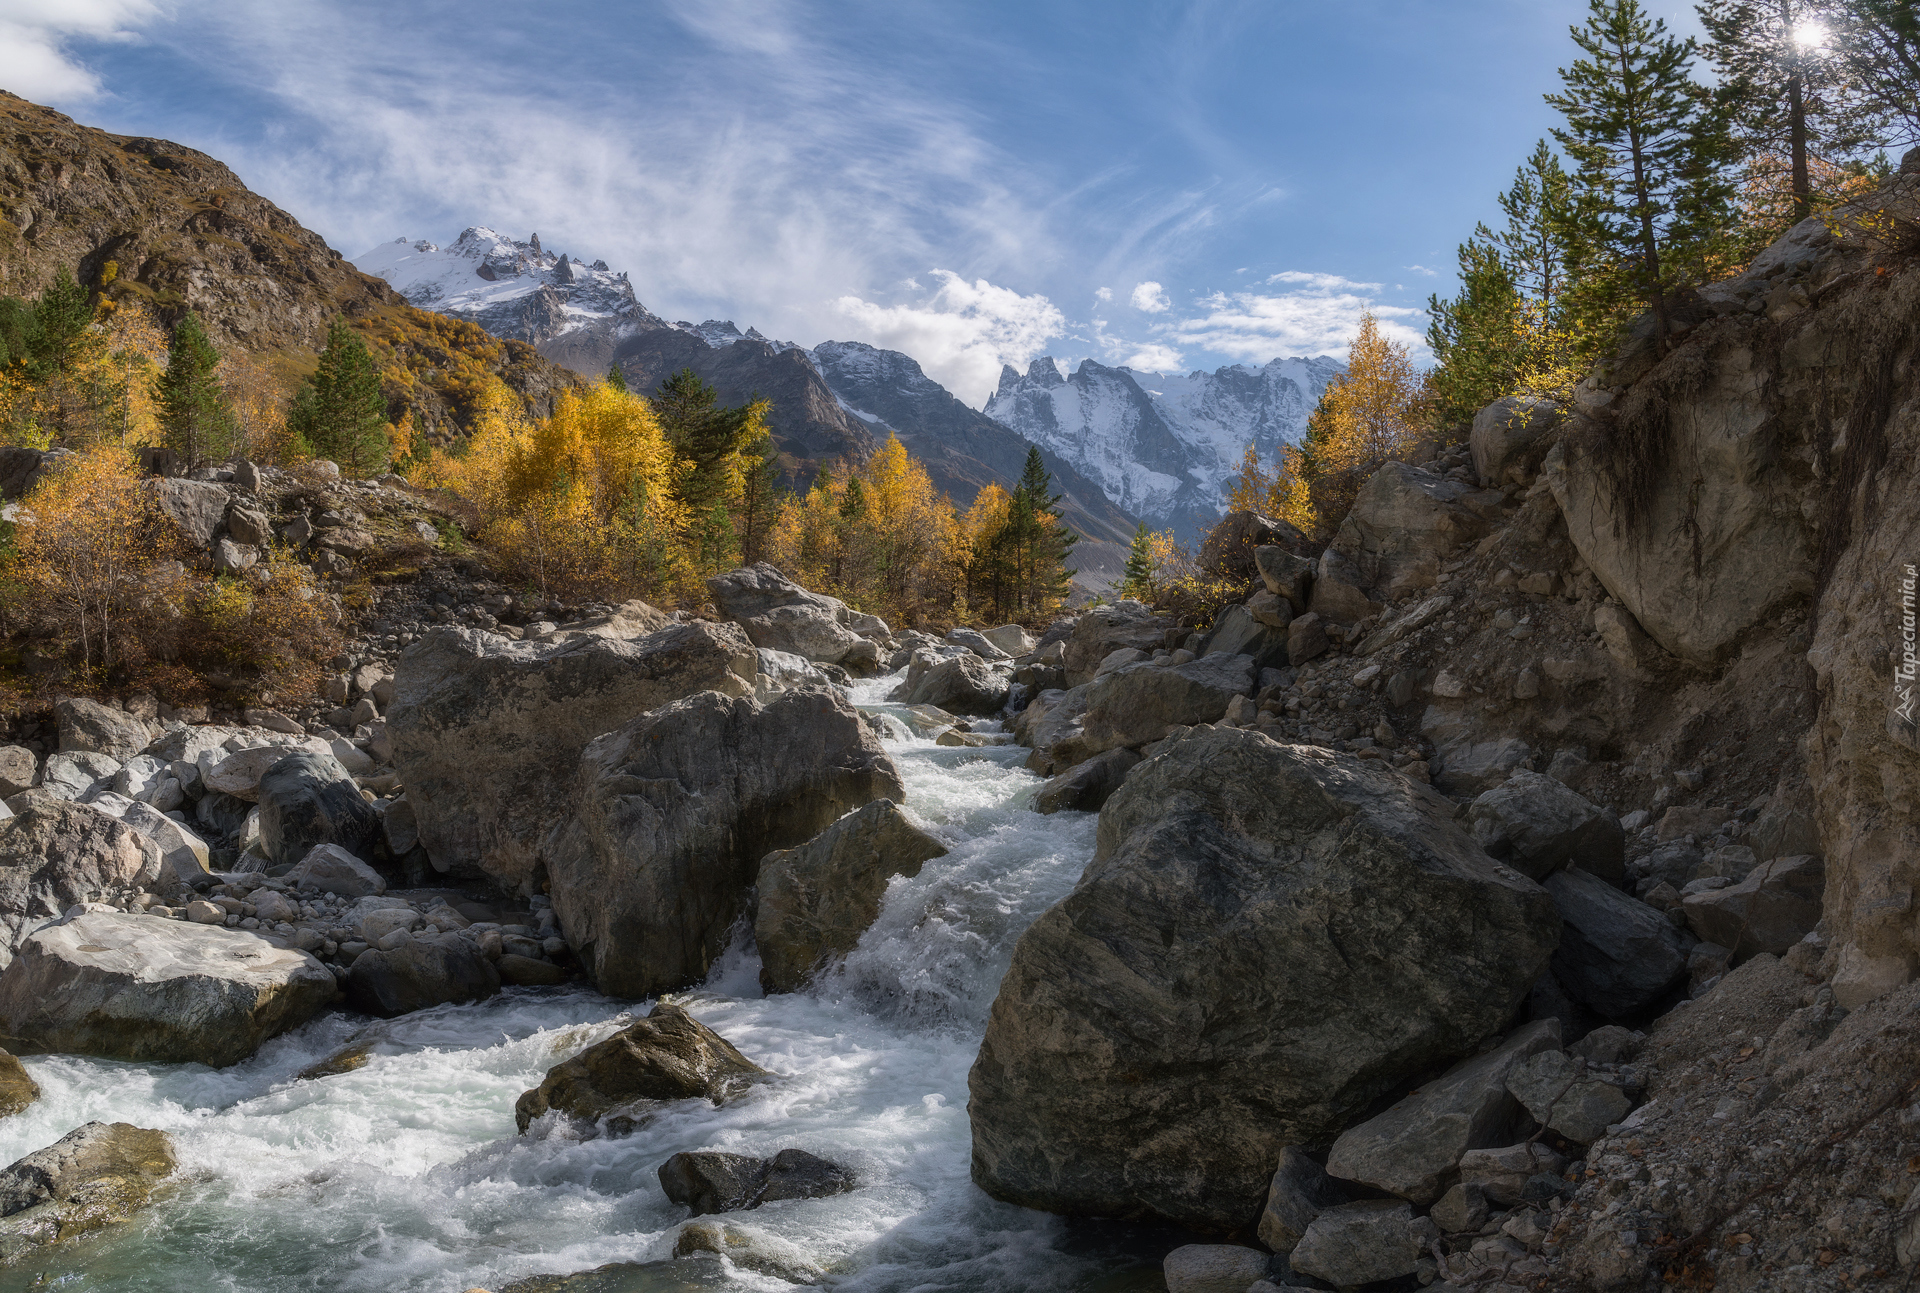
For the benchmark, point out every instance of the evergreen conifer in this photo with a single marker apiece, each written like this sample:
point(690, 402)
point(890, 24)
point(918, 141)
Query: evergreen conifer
point(195, 414)
point(338, 412)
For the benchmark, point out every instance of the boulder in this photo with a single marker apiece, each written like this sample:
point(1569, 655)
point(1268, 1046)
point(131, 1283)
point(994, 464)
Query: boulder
point(196, 508)
point(1228, 550)
point(19, 770)
point(1411, 1150)
point(1136, 705)
point(1511, 436)
point(238, 774)
point(1306, 638)
point(1564, 1098)
point(487, 733)
point(1404, 522)
point(709, 1182)
point(92, 728)
point(1286, 574)
point(1054, 724)
point(1359, 1243)
point(309, 799)
point(183, 855)
point(783, 671)
point(94, 1176)
point(782, 616)
point(1212, 1268)
point(160, 991)
point(1617, 954)
point(525, 972)
point(965, 684)
point(1471, 767)
point(1013, 639)
point(1536, 825)
point(78, 775)
point(669, 1055)
point(421, 973)
point(676, 810)
point(1299, 1191)
point(1087, 785)
point(1502, 1174)
point(1774, 907)
point(1268, 939)
point(1339, 595)
point(55, 854)
point(17, 1087)
point(978, 643)
point(630, 619)
point(816, 900)
point(749, 1249)
point(1237, 632)
point(1104, 630)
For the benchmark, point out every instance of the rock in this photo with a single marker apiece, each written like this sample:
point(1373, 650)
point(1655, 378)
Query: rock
point(400, 827)
point(747, 1249)
point(1119, 659)
point(1237, 632)
point(1136, 705)
point(1299, 1191)
point(710, 1182)
point(159, 991)
point(87, 727)
point(248, 525)
point(1054, 724)
point(138, 777)
point(818, 898)
point(1536, 825)
point(1626, 642)
point(1086, 785)
point(1562, 1097)
point(230, 558)
point(487, 733)
point(1270, 609)
point(976, 642)
point(1617, 955)
point(420, 973)
point(965, 684)
point(331, 869)
point(17, 1087)
point(1359, 1243)
point(1306, 638)
point(1212, 1268)
point(784, 671)
point(675, 811)
point(525, 972)
point(1230, 545)
point(1404, 522)
point(1102, 631)
point(1285, 574)
point(55, 854)
point(309, 799)
point(1469, 768)
point(238, 774)
point(1338, 596)
point(202, 912)
point(1462, 1209)
point(1511, 436)
point(1606, 1045)
point(77, 775)
point(1502, 1174)
point(19, 770)
point(669, 1055)
point(93, 1176)
point(781, 615)
point(1411, 1150)
point(1774, 907)
point(1306, 929)
point(183, 855)
point(1010, 638)
point(196, 508)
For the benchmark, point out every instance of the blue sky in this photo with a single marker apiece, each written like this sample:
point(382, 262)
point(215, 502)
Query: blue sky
point(1170, 185)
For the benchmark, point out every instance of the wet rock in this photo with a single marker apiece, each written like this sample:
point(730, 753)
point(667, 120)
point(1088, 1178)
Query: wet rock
point(676, 809)
point(1212, 1268)
point(1617, 954)
point(1536, 825)
point(1087, 785)
point(161, 991)
point(92, 1177)
point(709, 1182)
point(782, 616)
point(1774, 907)
point(419, 974)
point(1138, 704)
point(1562, 1097)
point(816, 900)
point(1359, 1243)
point(748, 1249)
point(17, 1087)
point(965, 684)
point(1299, 1191)
point(55, 854)
point(88, 727)
point(307, 800)
point(331, 869)
point(669, 1055)
point(525, 972)
point(1303, 928)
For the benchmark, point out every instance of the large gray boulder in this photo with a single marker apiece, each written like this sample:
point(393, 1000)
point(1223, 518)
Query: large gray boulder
point(676, 809)
point(183, 854)
point(817, 899)
point(1237, 632)
point(1054, 725)
point(1360, 1243)
point(1268, 939)
point(1616, 953)
point(1403, 524)
point(1136, 704)
point(1511, 436)
point(669, 1055)
point(1774, 907)
point(1106, 629)
point(1536, 825)
point(1299, 1191)
point(963, 684)
point(160, 991)
point(95, 1175)
point(54, 854)
point(421, 973)
point(90, 727)
point(196, 508)
point(487, 733)
point(307, 800)
point(782, 616)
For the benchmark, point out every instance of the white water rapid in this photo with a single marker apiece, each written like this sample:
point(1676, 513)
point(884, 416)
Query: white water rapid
point(406, 1174)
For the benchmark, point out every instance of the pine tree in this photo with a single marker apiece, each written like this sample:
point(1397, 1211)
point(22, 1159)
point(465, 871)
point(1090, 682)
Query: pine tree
point(617, 379)
point(1533, 246)
point(1043, 541)
point(760, 497)
point(1879, 42)
point(338, 412)
point(1137, 583)
point(1477, 338)
point(1651, 151)
point(195, 414)
point(703, 432)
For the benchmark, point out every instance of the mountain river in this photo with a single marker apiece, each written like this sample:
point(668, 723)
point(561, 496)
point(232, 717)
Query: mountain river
point(405, 1176)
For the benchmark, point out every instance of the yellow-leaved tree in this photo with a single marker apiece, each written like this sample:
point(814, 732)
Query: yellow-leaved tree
point(1367, 415)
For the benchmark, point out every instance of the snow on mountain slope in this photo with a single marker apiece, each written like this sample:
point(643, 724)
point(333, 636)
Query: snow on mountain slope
point(1163, 446)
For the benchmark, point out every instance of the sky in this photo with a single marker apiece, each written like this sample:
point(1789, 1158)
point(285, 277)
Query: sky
point(1163, 185)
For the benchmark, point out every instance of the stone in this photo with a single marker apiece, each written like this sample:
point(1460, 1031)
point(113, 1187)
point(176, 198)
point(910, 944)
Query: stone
point(1610, 1044)
point(1625, 641)
point(1502, 1173)
point(77, 775)
point(1338, 596)
point(131, 987)
point(1469, 768)
point(355, 760)
point(230, 558)
point(748, 1249)
point(1511, 436)
point(331, 869)
point(1237, 632)
point(965, 684)
point(525, 972)
point(1304, 928)
point(376, 924)
point(1774, 907)
point(815, 900)
point(709, 1182)
point(1212, 1268)
point(418, 974)
point(1285, 574)
point(1299, 1191)
point(1119, 659)
point(197, 509)
point(1411, 1149)
point(138, 777)
point(1461, 1210)
point(202, 912)
point(1054, 725)
point(1306, 639)
point(1562, 1097)
point(95, 1175)
point(17, 1087)
point(1138, 704)
point(19, 770)
point(1270, 609)
point(1617, 954)
point(1359, 1243)
point(1536, 825)
point(55, 854)
point(1681, 823)
point(487, 733)
point(976, 642)
point(1100, 632)
point(309, 799)
point(675, 811)
point(248, 524)
point(1404, 522)
point(1229, 548)
point(669, 1055)
point(1012, 639)
point(779, 614)
point(1087, 785)
point(183, 854)
point(238, 774)
point(87, 727)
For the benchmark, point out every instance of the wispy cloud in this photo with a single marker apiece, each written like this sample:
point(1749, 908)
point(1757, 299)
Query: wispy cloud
point(963, 333)
point(35, 60)
point(1422, 269)
point(1319, 315)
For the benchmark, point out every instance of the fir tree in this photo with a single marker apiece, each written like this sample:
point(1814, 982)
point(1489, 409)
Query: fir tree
point(703, 433)
point(1043, 542)
point(760, 497)
point(338, 412)
point(1138, 580)
point(1477, 338)
point(617, 379)
point(1879, 42)
point(195, 414)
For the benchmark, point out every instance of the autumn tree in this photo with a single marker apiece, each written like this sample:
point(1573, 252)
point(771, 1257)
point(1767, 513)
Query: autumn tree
point(195, 415)
point(1365, 416)
point(338, 412)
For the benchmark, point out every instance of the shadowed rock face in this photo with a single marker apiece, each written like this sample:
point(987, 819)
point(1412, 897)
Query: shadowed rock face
point(1269, 939)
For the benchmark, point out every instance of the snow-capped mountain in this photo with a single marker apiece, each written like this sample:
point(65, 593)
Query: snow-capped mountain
point(1162, 446)
point(575, 313)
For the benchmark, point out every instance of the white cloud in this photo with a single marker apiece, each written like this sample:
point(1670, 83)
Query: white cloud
point(1320, 316)
point(1103, 294)
point(1149, 298)
point(1152, 357)
point(1422, 269)
point(34, 62)
point(963, 333)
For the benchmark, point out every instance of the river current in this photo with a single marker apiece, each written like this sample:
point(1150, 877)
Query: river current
point(405, 1175)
